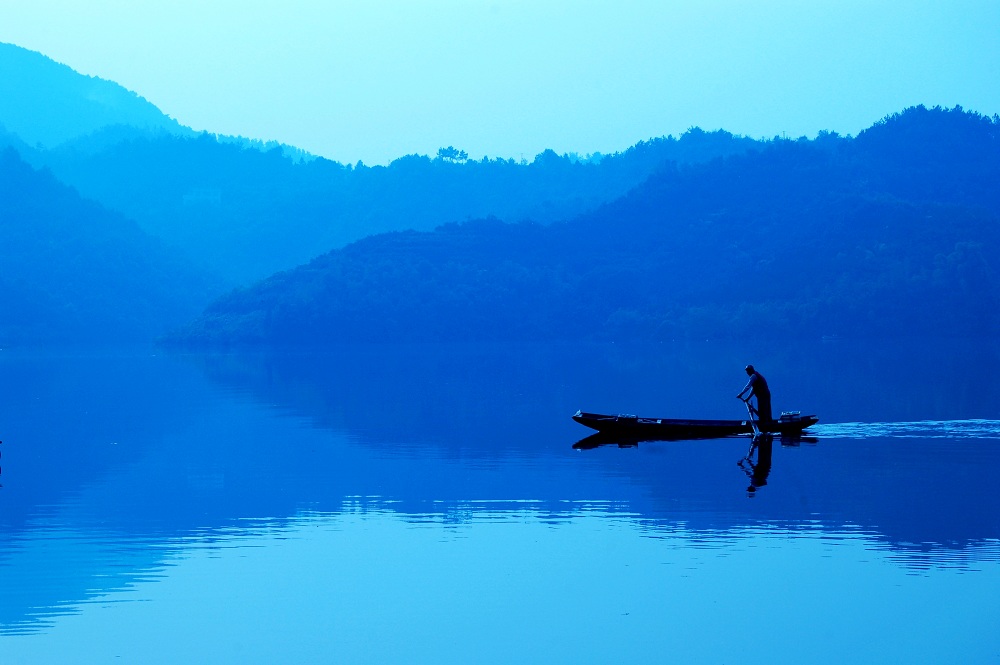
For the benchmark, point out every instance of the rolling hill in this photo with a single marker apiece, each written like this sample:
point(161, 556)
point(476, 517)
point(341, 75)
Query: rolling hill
point(892, 233)
point(247, 208)
point(72, 271)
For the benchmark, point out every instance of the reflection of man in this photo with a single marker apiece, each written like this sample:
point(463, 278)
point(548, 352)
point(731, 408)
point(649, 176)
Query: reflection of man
point(757, 387)
point(760, 469)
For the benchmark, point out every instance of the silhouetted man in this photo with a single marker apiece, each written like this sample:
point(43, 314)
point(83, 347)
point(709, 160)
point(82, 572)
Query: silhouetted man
point(757, 387)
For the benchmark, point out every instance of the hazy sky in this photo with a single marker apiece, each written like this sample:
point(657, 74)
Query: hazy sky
point(376, 79)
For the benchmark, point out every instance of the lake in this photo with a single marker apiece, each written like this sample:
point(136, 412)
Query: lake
point(425, 504)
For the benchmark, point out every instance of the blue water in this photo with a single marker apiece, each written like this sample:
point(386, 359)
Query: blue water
point(425, 504)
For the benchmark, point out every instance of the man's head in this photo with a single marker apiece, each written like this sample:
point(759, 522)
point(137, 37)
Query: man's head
point(749, 369)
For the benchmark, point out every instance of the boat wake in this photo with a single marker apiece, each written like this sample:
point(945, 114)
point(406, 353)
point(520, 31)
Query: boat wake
point(924, 429)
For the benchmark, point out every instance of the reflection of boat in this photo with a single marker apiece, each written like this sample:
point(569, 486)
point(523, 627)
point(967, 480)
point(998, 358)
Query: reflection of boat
point(633, 427)
point(597, 440)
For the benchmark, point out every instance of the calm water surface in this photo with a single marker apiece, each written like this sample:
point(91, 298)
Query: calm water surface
point(425, 504)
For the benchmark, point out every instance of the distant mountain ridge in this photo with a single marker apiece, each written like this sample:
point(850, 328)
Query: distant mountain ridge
point(870, 234)
point(247, 209)
point(46, 103)
point(893, 233)
point(250, 213)
point(46, 106)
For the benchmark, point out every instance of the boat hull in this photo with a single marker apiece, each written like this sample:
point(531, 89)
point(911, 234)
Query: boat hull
point(636, 428)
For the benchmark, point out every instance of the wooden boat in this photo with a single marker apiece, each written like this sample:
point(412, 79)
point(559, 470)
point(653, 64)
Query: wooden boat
point(636, 428)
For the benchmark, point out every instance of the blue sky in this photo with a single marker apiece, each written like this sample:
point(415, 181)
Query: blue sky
point(373, 80)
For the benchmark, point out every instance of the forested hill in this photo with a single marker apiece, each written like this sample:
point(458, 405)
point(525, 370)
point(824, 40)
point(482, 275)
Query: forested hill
point(72, 271)
point(249, 213)
point(893, 233)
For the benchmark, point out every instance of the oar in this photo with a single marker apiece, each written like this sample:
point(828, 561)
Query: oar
point(753, 423)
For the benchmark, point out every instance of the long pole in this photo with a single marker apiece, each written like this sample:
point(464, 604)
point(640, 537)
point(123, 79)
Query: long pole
point(753, 423)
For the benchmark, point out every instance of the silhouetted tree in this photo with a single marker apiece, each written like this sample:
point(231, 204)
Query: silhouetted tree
point(452, 154)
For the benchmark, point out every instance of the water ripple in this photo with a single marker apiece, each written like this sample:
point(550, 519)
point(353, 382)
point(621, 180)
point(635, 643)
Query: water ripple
point(923, 429)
